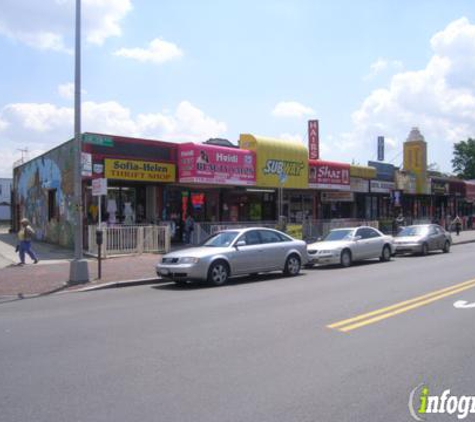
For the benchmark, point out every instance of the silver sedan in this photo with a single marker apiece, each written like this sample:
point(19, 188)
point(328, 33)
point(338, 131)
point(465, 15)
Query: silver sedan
point(422, 238)
point(343, 246)
point(235, 252)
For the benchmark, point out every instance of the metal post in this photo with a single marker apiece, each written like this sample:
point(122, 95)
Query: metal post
point(79, 272)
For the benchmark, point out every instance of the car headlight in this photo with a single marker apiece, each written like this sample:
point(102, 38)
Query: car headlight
point(189, 260)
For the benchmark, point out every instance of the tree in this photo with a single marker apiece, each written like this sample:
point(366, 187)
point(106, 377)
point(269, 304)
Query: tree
point(463, 162)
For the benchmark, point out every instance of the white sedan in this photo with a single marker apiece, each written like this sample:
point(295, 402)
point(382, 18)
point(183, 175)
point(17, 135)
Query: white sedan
point(344, 246)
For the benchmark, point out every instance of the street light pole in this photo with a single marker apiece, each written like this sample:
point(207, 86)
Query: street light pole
point(79, 272)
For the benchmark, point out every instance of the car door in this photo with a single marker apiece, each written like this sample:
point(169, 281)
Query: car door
point(376, 243)
point(248, 257)
point(361, 247)
point(274, 250)
point(433, 238)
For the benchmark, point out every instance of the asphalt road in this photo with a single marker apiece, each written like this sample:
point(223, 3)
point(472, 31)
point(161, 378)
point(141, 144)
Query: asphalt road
point(250, 351)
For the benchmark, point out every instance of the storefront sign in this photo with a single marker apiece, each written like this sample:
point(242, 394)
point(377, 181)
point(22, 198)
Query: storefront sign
point(327, 175)
point(313, 140)
point(405, 182)
point(363, 172)
point(384, 171)
point(99, 187)
point(359, 185)
point(440, 187)
point(86, 164)
point(338, 196)
point(470, 192)
point(276, 158)
point(139, 170)
point(381, 186)
point(103, 140)
point(200, 163)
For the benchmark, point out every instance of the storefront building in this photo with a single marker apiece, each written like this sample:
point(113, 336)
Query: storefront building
point(281, 177)
point(381, 190)
point(331, 182)
point(360, 178)
point(214, 184)
point(136, 171)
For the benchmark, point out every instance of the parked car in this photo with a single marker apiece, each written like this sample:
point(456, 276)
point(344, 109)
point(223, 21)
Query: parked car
point(422, 238)
point(235, 252)
point(344, 246)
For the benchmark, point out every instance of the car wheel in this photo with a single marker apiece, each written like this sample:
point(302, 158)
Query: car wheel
point(218, 273)
point(385, 254)
point(446, 248)
point(292, 265)
point(425, 249)
point(345, 258)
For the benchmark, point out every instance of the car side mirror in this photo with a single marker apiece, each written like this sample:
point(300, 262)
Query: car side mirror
point(240, 243)
point(356, 238)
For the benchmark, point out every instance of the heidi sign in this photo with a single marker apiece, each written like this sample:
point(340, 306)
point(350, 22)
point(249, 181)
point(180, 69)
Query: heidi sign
point(328, 175)
point(216, 165)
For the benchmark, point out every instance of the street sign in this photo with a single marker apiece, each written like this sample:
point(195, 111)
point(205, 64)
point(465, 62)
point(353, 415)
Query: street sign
point(380, 148)
point(282, 177)
point(99, 187)
point(105, 141)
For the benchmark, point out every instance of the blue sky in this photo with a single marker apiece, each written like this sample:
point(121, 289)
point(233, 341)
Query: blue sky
point(187, 70)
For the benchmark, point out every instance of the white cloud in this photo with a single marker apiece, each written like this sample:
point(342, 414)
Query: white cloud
point(381, 65)
point(439, 99)
point(291, 109)
point(158, 51)
point(49, 23)
point(40, 127)
point(66, 91)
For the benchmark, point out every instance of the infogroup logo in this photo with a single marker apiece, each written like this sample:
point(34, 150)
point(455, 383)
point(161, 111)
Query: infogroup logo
point(421, 403)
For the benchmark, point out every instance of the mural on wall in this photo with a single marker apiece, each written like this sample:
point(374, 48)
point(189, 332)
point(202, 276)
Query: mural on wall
point(44, 190)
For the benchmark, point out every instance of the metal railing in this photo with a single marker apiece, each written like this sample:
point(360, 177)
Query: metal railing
point(130, 239)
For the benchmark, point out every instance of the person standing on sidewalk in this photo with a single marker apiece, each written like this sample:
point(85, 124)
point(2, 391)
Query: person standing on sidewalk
point(25, 236)
point(458, 224)
point(189, 227)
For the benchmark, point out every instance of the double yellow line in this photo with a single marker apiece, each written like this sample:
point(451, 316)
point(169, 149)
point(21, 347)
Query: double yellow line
point(399, 308)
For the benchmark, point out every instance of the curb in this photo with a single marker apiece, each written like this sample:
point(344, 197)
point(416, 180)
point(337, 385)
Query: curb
point(463, 242)
point(119, 284)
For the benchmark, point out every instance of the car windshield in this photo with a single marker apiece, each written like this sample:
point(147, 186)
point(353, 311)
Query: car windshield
point(338, 235)
point(221, 239)
point(413, 231)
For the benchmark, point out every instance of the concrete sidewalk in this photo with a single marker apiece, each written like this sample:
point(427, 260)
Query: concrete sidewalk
point(51, 274)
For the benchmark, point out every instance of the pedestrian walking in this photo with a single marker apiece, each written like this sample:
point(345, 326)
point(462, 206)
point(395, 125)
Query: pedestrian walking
point(189, 227)
point(25, 236)
point(458, 224)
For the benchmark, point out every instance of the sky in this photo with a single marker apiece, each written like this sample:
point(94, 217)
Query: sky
point(186, 70)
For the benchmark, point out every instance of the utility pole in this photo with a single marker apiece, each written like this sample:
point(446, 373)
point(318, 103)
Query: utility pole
point(79, 271)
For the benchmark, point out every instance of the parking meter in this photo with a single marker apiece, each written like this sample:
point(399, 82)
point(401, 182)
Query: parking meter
point(99, 237)
point(99, 241)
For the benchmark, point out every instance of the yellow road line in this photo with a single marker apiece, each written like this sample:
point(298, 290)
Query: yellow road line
point(398, 308)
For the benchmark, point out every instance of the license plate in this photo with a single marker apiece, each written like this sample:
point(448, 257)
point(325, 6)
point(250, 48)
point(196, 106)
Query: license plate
point(164, 271)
